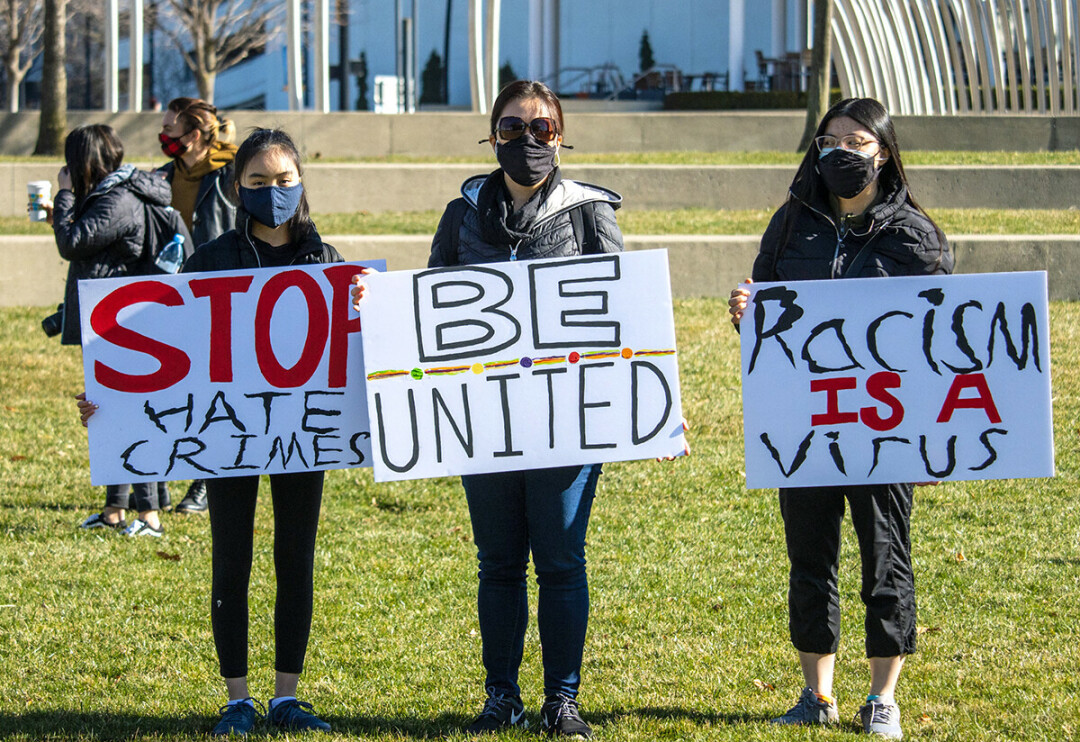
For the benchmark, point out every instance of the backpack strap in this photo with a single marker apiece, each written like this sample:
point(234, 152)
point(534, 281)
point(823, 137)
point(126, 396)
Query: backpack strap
point(457, 219)
point(583, 219)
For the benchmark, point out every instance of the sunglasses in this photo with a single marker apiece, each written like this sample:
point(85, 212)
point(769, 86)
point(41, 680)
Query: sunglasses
point(512, 127)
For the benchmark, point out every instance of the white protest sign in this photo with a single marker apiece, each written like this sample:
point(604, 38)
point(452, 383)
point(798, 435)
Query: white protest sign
point(521, 365)
point(881, 380)
point(224, 374)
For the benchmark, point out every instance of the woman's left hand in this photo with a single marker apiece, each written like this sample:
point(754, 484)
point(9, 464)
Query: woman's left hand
point(360, 289)
point(86, 408)
point(63, 179)
point(686, 444)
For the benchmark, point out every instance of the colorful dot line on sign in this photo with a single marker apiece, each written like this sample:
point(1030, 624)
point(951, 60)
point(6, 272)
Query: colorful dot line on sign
point(479, 368)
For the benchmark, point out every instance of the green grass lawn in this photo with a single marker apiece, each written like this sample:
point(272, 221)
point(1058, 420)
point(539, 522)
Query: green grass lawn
point(105, 638)
point(676, 221)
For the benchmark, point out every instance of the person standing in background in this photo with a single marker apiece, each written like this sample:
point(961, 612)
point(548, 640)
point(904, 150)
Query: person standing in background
point(199, 143)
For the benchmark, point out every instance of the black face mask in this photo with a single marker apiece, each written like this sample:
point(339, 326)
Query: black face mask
point(526, 160)
point(846, 174)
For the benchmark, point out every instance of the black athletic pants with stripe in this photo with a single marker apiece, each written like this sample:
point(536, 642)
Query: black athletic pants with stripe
point(881, 515)
point(296, 501)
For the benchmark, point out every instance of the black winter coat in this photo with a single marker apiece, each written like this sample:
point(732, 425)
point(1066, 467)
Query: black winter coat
point(549, 235)
point(103, 236)
point(900, 239)
point(214, 213)
point(236, 250)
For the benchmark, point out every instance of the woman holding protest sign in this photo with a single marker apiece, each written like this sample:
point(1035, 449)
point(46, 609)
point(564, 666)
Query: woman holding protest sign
point(97, 218)
point(522, 211)
point(273, 229)
point(199, 143)
point(849, 214)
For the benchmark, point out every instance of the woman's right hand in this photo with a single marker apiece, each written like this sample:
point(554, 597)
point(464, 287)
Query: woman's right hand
point(360, 289)
point(737, 302)
point(86, 408)
point(63, 179)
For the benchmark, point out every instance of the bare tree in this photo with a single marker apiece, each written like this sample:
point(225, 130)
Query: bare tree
point(53, 124)
point(213, 35)
point(817, 97)
point(21, 27)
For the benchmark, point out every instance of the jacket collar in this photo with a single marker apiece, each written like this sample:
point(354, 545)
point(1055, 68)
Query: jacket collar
point(566, 195)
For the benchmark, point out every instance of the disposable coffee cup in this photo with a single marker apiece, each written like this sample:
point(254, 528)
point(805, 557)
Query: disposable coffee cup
point(39, 192)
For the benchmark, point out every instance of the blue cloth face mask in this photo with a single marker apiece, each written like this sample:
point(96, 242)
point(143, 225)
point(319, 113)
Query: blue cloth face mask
point(273, 205)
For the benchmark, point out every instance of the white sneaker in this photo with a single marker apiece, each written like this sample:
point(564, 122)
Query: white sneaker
point(882, 719)
point(140, 527)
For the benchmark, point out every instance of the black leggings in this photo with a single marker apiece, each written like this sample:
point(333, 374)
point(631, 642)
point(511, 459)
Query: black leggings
point(881, 515)
point(296, 498)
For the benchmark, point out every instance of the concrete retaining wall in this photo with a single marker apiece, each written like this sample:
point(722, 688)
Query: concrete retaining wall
point(342, 188)
point(443, 134)
point(31, 273)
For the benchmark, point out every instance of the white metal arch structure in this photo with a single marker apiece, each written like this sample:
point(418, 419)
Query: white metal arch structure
point(960, 56)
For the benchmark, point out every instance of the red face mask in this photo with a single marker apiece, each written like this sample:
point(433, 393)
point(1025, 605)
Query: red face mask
point(172, 147)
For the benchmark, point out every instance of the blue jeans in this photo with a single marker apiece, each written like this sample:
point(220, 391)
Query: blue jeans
point(547, 511)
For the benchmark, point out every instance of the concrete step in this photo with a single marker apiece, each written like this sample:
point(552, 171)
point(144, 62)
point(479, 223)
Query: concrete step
point(334, 188)
point(32, 274)
point(454, 134)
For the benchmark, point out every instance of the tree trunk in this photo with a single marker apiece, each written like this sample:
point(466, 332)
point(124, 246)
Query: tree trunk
point(53, 126)
point(205, 81)
point(14, 79)
point(817, 97)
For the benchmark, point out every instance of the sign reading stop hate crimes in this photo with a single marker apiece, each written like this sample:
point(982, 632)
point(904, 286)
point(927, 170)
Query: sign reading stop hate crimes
point(224, 374)
point(879, 380)
point(510, 366)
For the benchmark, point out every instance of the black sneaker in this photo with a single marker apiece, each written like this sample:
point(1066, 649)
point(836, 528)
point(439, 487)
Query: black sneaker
point(195, 499)
point(295, 716)
point(500, 712)
point(237, 718)
point(559, 717)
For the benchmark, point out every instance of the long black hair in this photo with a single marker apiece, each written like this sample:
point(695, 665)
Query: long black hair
point(91, 152)
point(809, 187)
point(264, 140)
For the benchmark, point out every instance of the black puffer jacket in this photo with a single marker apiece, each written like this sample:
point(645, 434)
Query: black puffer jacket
point(547, 232)
point(103, 236)
point(900, 241)
point(236, 250)
point(214, 213)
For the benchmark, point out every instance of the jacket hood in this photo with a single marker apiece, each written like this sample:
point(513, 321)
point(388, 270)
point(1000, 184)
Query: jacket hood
point(113, 179)
point(566, 195)
point(151, 188)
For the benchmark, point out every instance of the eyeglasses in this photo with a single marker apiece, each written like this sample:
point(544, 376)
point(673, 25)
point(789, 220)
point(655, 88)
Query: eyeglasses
point(852, 143)
point(543, 129)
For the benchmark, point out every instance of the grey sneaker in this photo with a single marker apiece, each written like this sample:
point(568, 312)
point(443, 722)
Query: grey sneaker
point(810, 709)
point(882, 719)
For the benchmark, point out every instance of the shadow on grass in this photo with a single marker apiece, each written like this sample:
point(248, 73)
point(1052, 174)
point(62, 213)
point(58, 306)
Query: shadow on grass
point(1064, 561)
point(673, 713)
point(61, 724)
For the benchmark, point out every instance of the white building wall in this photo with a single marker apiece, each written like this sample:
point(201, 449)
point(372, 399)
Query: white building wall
point(690, 34)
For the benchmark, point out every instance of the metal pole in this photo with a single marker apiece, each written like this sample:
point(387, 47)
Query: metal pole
point(343, 55)
point(292, 55)
point(112, 57)
point(409, 88)
point(135, 77)
point(491, 45)
point(322, 56)
point(476, 59)
point(736, 41)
